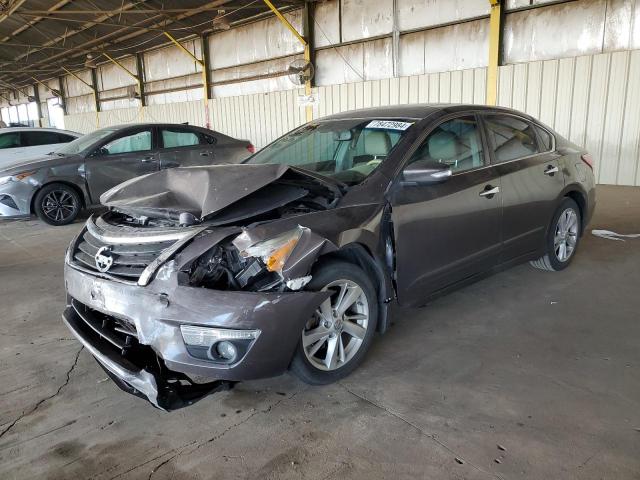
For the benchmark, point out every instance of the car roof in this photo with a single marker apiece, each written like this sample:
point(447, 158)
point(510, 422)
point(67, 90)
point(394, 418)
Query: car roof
point(418, 111)
point(38, 129)
point(155, 124)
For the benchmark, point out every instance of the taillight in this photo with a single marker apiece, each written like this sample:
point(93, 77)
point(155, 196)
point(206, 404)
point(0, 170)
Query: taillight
point(251, 148)
point(588, 159)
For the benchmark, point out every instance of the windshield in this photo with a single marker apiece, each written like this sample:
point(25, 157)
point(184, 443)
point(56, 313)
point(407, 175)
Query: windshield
point(345, 150)
point(82, 143)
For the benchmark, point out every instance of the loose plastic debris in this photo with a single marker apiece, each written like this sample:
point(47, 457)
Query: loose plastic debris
point(609, 235)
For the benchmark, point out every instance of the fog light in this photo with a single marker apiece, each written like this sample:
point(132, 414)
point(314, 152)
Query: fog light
point(206, 337)
point(227, 350)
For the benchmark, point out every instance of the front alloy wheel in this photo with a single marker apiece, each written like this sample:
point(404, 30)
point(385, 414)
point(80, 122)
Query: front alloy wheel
point(334, 340)
point(336, 332)
point(57, 204)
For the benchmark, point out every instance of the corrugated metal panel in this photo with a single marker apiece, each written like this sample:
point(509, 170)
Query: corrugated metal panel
point(593, 100)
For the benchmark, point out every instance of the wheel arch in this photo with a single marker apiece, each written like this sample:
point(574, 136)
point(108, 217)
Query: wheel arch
point(360, 255)
point(577, 195)
point(76, 188)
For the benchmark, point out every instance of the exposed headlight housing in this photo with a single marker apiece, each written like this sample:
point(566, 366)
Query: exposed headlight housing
point(273, 252)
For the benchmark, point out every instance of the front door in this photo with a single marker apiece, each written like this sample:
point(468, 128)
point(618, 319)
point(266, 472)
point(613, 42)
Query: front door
point(447, 232)
point(531, 182)
point(127, 156)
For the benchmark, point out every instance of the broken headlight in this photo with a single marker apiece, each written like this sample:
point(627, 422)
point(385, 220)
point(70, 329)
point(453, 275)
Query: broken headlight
point(273, 252)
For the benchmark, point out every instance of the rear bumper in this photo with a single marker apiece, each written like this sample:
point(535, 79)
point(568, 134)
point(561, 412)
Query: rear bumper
point(158, 310)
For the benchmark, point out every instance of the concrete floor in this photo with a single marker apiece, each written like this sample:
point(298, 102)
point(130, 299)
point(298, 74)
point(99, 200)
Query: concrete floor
point(526, 374)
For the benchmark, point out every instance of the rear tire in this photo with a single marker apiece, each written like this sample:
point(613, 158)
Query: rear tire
point(335, 340)
point(562, 239)
point(57, 204)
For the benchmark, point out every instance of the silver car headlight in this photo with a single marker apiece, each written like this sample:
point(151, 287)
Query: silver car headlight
point(15, 178)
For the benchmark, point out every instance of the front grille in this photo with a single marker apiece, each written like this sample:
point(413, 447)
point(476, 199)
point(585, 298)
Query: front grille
point(129, 260)
point(120, 333)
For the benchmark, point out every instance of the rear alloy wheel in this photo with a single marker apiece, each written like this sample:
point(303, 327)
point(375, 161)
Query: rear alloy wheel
point(562, 239)
point(57, 204)
point(336, 338)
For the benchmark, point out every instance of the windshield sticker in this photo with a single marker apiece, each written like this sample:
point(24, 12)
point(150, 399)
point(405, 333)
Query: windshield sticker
point(389, 124)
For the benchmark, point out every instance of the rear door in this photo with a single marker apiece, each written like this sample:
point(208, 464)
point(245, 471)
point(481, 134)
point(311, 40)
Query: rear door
point(182, 146)
point(127, 155)
point(447, 232)
point(531, 181)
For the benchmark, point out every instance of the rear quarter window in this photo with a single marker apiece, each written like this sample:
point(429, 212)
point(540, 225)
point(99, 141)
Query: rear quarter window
point(546, 143)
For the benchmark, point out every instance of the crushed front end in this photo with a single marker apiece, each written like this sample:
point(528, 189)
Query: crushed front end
point(175, 312)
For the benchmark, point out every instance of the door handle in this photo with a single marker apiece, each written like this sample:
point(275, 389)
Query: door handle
point(551, 169)
point(489, 191)
point(147, 159)
point(204, 154)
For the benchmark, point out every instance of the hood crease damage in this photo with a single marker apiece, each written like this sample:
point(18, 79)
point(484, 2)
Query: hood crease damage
point(222, 194)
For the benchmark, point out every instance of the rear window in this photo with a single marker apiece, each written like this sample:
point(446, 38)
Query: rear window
point(512, 137)
point(179, 138)
point(33, 139)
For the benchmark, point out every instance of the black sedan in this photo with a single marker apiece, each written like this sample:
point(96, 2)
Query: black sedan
point(58, 185)
point(292, 259)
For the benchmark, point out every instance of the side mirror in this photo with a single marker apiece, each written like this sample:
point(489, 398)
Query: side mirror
point(424, 172)
point(98, 152)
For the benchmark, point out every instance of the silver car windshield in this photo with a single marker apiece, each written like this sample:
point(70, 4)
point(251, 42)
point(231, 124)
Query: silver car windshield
point(82, 143)
point(345, 150)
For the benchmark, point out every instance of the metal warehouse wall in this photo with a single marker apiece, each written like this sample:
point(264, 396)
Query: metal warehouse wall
point(589, 99)
point(572, 64)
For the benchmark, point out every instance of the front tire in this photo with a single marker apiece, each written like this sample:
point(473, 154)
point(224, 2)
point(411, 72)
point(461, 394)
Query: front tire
point(562, 239)
point(57, 204)
point(335, 340)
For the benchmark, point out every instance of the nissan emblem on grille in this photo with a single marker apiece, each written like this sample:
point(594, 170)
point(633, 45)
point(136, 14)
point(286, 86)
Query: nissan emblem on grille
point(103, 258)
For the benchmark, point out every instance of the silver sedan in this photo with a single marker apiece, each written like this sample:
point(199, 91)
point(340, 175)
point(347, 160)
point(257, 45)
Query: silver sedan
point(57, 186)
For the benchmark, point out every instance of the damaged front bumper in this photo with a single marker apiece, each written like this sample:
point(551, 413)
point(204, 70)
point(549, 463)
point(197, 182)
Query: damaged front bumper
point(134, 333)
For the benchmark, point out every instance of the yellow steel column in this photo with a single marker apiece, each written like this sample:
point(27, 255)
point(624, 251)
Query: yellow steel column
point(203, 65)
point(495, 30)
point(134, 76)
point(307, 51)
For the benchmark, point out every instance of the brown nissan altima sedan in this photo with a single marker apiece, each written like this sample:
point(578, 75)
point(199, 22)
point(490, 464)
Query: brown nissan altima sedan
point(199, 277)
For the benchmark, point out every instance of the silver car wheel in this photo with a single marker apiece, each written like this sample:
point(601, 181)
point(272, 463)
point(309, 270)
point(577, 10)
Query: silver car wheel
point(338, 327)
point(58, 205)
point(566, 235)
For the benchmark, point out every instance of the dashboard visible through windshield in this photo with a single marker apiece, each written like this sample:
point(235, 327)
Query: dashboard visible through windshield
point(345, 150)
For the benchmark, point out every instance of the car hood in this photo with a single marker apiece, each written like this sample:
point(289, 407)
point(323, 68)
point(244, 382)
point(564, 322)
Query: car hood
point(11, 166)
point(218, 193)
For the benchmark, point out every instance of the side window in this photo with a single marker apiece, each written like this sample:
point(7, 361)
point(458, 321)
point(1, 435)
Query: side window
point(511, 137)
point(136, 142)
point(33, 139)
point(62, 138)
point(178, 138)
point(455, 142)
point(10, 140)
point(545, 139)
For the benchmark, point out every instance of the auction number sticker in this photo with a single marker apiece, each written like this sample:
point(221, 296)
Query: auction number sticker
point(389, 124)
